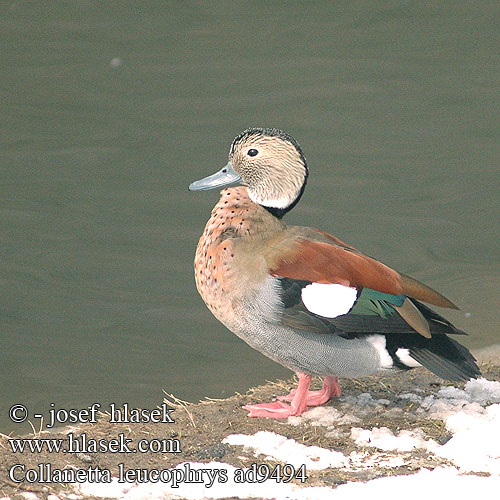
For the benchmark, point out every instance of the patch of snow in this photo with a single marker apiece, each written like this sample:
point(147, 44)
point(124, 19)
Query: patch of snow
point(425, 482)
point(475, 442)
point(325, 416)
point(268, 489)
point(315, 458)
point(364, 401)
point(384, 439)
point(479, 390)
point(471, 414)
point(288, 451)
point(414, 398)
point(28, 495)
point(475, 445)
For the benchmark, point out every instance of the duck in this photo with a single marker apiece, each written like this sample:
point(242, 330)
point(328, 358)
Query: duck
point(303, 297)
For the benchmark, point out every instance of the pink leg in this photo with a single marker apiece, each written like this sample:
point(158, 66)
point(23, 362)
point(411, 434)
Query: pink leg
point(282, 410)
point(330, 388)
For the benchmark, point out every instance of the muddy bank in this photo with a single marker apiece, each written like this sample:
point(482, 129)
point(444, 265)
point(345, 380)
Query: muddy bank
point(195, 433)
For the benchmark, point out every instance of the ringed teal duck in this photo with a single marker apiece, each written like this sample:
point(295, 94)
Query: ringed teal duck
point(303, 297)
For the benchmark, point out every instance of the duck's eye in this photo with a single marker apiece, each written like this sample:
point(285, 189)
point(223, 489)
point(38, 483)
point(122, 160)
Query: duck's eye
point(252, 152)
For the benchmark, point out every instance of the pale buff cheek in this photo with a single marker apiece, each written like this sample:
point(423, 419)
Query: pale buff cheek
point(278, 189)
point(275, 177)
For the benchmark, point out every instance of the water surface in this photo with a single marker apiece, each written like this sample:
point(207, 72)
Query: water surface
point(109, 110)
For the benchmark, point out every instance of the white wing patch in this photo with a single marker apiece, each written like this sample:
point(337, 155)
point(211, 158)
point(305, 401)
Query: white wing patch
point(328, 299)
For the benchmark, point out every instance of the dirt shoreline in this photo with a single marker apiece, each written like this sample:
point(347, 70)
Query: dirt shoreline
point(199, 429)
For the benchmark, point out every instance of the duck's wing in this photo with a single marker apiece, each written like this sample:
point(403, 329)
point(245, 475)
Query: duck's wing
point(321, 281)
point(322, 262)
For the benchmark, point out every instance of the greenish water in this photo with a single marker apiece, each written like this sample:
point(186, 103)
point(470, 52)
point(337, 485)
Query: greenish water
point(108, 110)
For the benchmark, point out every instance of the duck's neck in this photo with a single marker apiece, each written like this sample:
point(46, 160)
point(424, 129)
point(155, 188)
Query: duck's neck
point(237, 216)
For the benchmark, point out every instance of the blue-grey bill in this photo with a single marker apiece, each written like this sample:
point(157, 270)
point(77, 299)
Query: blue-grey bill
point(223, 177)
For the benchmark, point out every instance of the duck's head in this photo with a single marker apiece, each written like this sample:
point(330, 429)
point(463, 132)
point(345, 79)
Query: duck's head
point(270, 163)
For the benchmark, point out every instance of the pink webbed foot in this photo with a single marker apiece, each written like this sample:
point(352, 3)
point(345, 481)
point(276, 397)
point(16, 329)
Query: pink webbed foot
point(299, 398)
point(330, 388)
point(272, 410)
